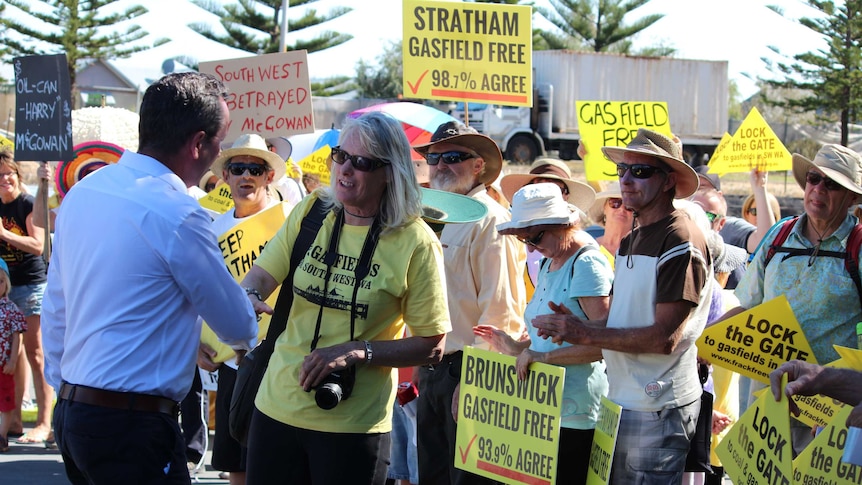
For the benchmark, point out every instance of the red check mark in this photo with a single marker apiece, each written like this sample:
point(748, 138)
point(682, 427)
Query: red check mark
point(467, 451)
point(415, 87)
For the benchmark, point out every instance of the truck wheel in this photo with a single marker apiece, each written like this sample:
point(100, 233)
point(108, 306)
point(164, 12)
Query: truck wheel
point(522, 150)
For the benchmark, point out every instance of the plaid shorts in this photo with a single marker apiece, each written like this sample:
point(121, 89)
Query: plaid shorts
point(652, 446)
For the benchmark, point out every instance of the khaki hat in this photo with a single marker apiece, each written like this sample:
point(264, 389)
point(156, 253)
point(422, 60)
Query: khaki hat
point(253, 145)
point(458, 134)
point(581, 195)
point(839, 163)
point(597, 210)
point(664, 148)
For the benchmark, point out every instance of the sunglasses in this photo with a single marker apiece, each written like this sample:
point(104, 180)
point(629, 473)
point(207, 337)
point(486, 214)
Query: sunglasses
point(638, 170)
point(363, 164)
point(752, 211)
point(712, 216)
point(615, 202)
point(533, 241)
point(254, 169)
point(449, 158)
point(814, 179)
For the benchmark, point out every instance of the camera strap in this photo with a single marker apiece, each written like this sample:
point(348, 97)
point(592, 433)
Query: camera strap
point(363, 267)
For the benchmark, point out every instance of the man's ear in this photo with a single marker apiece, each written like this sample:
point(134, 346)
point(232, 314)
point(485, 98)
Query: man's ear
point(195, 144)
point(670, 181)
point(478, 166)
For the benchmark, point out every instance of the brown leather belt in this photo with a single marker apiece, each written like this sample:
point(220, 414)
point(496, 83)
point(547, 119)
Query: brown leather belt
point(119, 400)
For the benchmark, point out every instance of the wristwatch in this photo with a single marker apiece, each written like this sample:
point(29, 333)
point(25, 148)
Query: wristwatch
point(253, 291)
point(369, 354)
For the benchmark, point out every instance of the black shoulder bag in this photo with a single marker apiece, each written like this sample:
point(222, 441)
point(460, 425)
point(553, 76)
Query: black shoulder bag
point(254, 364)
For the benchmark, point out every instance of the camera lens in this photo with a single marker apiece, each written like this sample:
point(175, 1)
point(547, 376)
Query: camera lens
point(328, 395)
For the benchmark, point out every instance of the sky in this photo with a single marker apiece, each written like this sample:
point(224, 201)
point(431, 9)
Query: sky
point(738, 31)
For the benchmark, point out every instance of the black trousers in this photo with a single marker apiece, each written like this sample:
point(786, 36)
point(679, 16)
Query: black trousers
point(107, 446)
point(194, 427)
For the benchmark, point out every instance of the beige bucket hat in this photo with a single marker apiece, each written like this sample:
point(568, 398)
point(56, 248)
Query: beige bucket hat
point(837, 162)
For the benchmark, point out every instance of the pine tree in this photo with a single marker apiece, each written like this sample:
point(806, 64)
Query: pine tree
point(76, 28)
point(255, 25)
point(828, 81)
point(597, 25)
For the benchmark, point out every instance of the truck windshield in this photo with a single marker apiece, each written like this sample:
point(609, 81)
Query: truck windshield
point(459, 106)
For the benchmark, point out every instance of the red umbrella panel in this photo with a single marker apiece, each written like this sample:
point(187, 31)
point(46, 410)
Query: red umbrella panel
point(418, 120)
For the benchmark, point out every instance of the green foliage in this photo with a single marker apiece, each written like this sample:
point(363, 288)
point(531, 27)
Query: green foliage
point(597, 25)
point(255, 25)
point(74, 27)
point(828, 81)
point(382, 79)
point(332, 86)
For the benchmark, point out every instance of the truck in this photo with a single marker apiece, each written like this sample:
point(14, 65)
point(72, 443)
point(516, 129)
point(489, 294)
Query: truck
point(696, 92)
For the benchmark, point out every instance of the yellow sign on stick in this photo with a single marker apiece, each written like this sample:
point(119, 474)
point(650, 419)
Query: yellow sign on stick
point(615, 123)
point(754, 145)
point(240, 246)
point(725, 140)
point(820, 461)
point(468, 51)
point(218, 199)
point(604, 443)
point(756, 342)
point(757, 449)
point(508, 429)
point(819, 410)
point(316, 164)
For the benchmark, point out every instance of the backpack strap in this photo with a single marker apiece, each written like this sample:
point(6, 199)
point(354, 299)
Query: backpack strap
point(851, 260)
point(311, 224)
point(783, 232)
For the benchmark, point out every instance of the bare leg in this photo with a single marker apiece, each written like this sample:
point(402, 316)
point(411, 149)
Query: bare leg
point(237, 478)
point(44, 392)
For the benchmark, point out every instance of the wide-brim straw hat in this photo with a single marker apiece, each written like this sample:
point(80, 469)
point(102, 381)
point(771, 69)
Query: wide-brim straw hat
point(458, 134)
point(581, 195)
point(664, 148)
point(597, 210)
point(837, 162)
point(253, 145)
point(539, 205)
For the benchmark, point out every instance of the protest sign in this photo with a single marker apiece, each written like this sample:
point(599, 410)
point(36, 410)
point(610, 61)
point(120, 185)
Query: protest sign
point(615, 123)
point(819, 410)
point(725, 140)
point(269, 94)
point(757, 448)
point(604, 443)
point(218, 199)
point(240, 246)
point(508, 429)
point(43, 107)
point(820, 462)
point(477, 52)
point(754, 145)
point(756, 342)
point(317, 164)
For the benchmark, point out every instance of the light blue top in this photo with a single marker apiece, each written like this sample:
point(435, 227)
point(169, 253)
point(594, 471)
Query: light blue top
point(135, 262)
point(585, 384)
point(823, 296)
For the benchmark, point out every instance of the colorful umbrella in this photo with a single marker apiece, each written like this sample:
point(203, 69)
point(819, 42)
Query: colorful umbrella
point(89, 157)
point(419, 121)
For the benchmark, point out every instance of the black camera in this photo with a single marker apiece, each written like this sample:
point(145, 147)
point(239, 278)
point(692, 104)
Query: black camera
point(336, 387)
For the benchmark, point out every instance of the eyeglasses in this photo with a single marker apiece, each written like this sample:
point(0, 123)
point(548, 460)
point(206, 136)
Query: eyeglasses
point(533, 241)
point(254, 169)
point(363, 164)
point(615, 202)
point(712, 216)
point(563, 187)
point(814, 179)
point(638, 170)
point(449, 158)
point(8, 174)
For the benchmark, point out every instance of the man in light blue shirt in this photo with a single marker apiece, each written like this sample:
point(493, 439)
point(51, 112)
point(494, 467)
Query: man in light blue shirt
point(135, 262)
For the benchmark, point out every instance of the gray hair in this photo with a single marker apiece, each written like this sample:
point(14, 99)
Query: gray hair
point(381, 136)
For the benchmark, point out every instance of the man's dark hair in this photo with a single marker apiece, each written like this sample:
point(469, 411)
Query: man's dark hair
point(177, 106)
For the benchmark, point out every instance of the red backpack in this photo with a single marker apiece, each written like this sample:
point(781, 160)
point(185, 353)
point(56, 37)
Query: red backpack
point(850, 257)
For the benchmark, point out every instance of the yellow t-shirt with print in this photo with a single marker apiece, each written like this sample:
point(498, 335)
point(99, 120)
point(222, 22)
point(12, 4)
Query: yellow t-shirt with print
point(405, 285)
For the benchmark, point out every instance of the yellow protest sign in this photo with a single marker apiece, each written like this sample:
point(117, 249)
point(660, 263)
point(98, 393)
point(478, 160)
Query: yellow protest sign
point(508, 429)
point(468, 51)
point(218, 199)
point(240, 246)
point(269, 94)
point(604, 443)
point(317, 164)
point(753, 145)
point(615, 123)
point(757, 449)
point(756, 342)
point(820, 461)
point(292, 170)
point(820, 410)
point(725, 140)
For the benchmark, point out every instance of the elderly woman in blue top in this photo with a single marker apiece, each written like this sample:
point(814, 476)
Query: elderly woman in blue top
point(808, 268)
point(574, 277)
